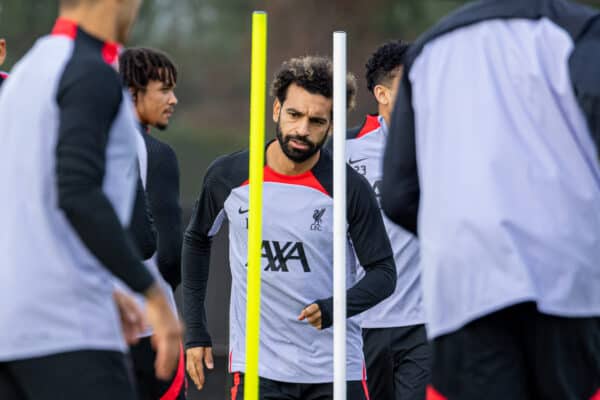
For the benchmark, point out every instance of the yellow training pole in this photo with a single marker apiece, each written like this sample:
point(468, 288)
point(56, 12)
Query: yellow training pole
point(258, 88)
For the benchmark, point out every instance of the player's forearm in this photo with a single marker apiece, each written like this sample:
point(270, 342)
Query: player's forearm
point(195, 268)
point(378, 283)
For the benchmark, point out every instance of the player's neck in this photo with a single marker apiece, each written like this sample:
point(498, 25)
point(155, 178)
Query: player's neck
point(96, 21)
point(280, 163)
point(385, 113)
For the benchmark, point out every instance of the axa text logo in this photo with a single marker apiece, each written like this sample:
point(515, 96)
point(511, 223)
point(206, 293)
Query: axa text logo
point(279, 255)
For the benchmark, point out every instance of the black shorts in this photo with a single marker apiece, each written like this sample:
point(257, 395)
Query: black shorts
point(275, 390)
point(149, 386)
point(90, 375)
point(520, 354)
point(398, 362)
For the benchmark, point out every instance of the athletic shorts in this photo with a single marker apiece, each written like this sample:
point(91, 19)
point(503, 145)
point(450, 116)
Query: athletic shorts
point(275, 390)
point(520, 354)
point(89, 375)
point(148, 385)
point(398, 362)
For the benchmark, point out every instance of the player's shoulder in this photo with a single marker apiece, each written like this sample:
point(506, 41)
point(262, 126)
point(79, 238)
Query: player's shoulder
point(323, 171)
point(369, 125)
point(90, 74)
point(230, 168)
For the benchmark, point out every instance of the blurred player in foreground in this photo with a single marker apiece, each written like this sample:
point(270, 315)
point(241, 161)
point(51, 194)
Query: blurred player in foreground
point(494, 146)
point(69, 162)
point(397, 353)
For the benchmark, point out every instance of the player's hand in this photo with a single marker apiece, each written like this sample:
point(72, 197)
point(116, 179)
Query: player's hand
point(166, 339)
point(197, 358)
point(132, 316)
point(312, 314)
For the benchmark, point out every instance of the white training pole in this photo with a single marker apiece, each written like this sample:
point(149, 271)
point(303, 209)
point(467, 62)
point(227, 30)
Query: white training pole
point(339, 216)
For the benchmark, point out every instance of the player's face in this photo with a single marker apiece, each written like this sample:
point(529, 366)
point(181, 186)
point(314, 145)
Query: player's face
point(2, 51)
point(156, 104)
point(303, 122)
point(127, 13)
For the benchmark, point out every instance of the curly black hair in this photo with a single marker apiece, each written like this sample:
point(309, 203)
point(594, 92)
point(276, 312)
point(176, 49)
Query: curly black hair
point(386, 59)
point(138, 66)
point(312, 73)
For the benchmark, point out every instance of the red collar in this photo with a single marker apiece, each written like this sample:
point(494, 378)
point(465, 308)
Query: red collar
point(67, 27)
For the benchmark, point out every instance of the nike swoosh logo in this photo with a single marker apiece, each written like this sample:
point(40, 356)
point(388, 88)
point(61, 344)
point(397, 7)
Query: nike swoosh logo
point(351, 161)
point(242, 211)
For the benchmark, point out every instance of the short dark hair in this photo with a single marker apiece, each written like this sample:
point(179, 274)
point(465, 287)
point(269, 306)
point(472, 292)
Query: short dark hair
point(384, 61)
point(312, 73)
point(140, 65)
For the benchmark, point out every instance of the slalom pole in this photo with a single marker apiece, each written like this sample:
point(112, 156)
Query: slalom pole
point(258, 88)
point(339, 216)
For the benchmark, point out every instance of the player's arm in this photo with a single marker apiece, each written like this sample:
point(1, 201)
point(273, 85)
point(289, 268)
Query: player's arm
point(163, 194)
point(88, 104)
point(372, 246)
point(400, 189)
point(584, 65)
point(142, 225)
point(205, 223)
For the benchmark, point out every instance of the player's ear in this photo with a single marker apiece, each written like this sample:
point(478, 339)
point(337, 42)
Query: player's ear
point(382, 94)
point(276, 110)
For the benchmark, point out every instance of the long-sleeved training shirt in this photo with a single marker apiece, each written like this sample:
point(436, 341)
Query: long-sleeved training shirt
point(297, 262)
point(68, 160)
point(494, 146)
point(364, 152)
point(162, 190)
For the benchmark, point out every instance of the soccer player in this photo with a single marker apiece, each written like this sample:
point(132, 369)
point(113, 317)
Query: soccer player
point(296, 346)
point(151, 77)
point(68, 166)
point(397, 353)
point(3, 75)
point(494, 146)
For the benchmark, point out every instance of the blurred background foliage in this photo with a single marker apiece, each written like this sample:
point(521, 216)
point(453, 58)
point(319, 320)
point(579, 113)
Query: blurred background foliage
point(210, 42)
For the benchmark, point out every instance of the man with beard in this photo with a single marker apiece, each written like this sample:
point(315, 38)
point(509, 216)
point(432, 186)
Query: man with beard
point(296, 349)
point(151, 77)
point(68, 161)
point(3, 75)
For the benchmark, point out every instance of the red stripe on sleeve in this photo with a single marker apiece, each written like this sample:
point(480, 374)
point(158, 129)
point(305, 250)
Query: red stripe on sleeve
point(364, 382)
